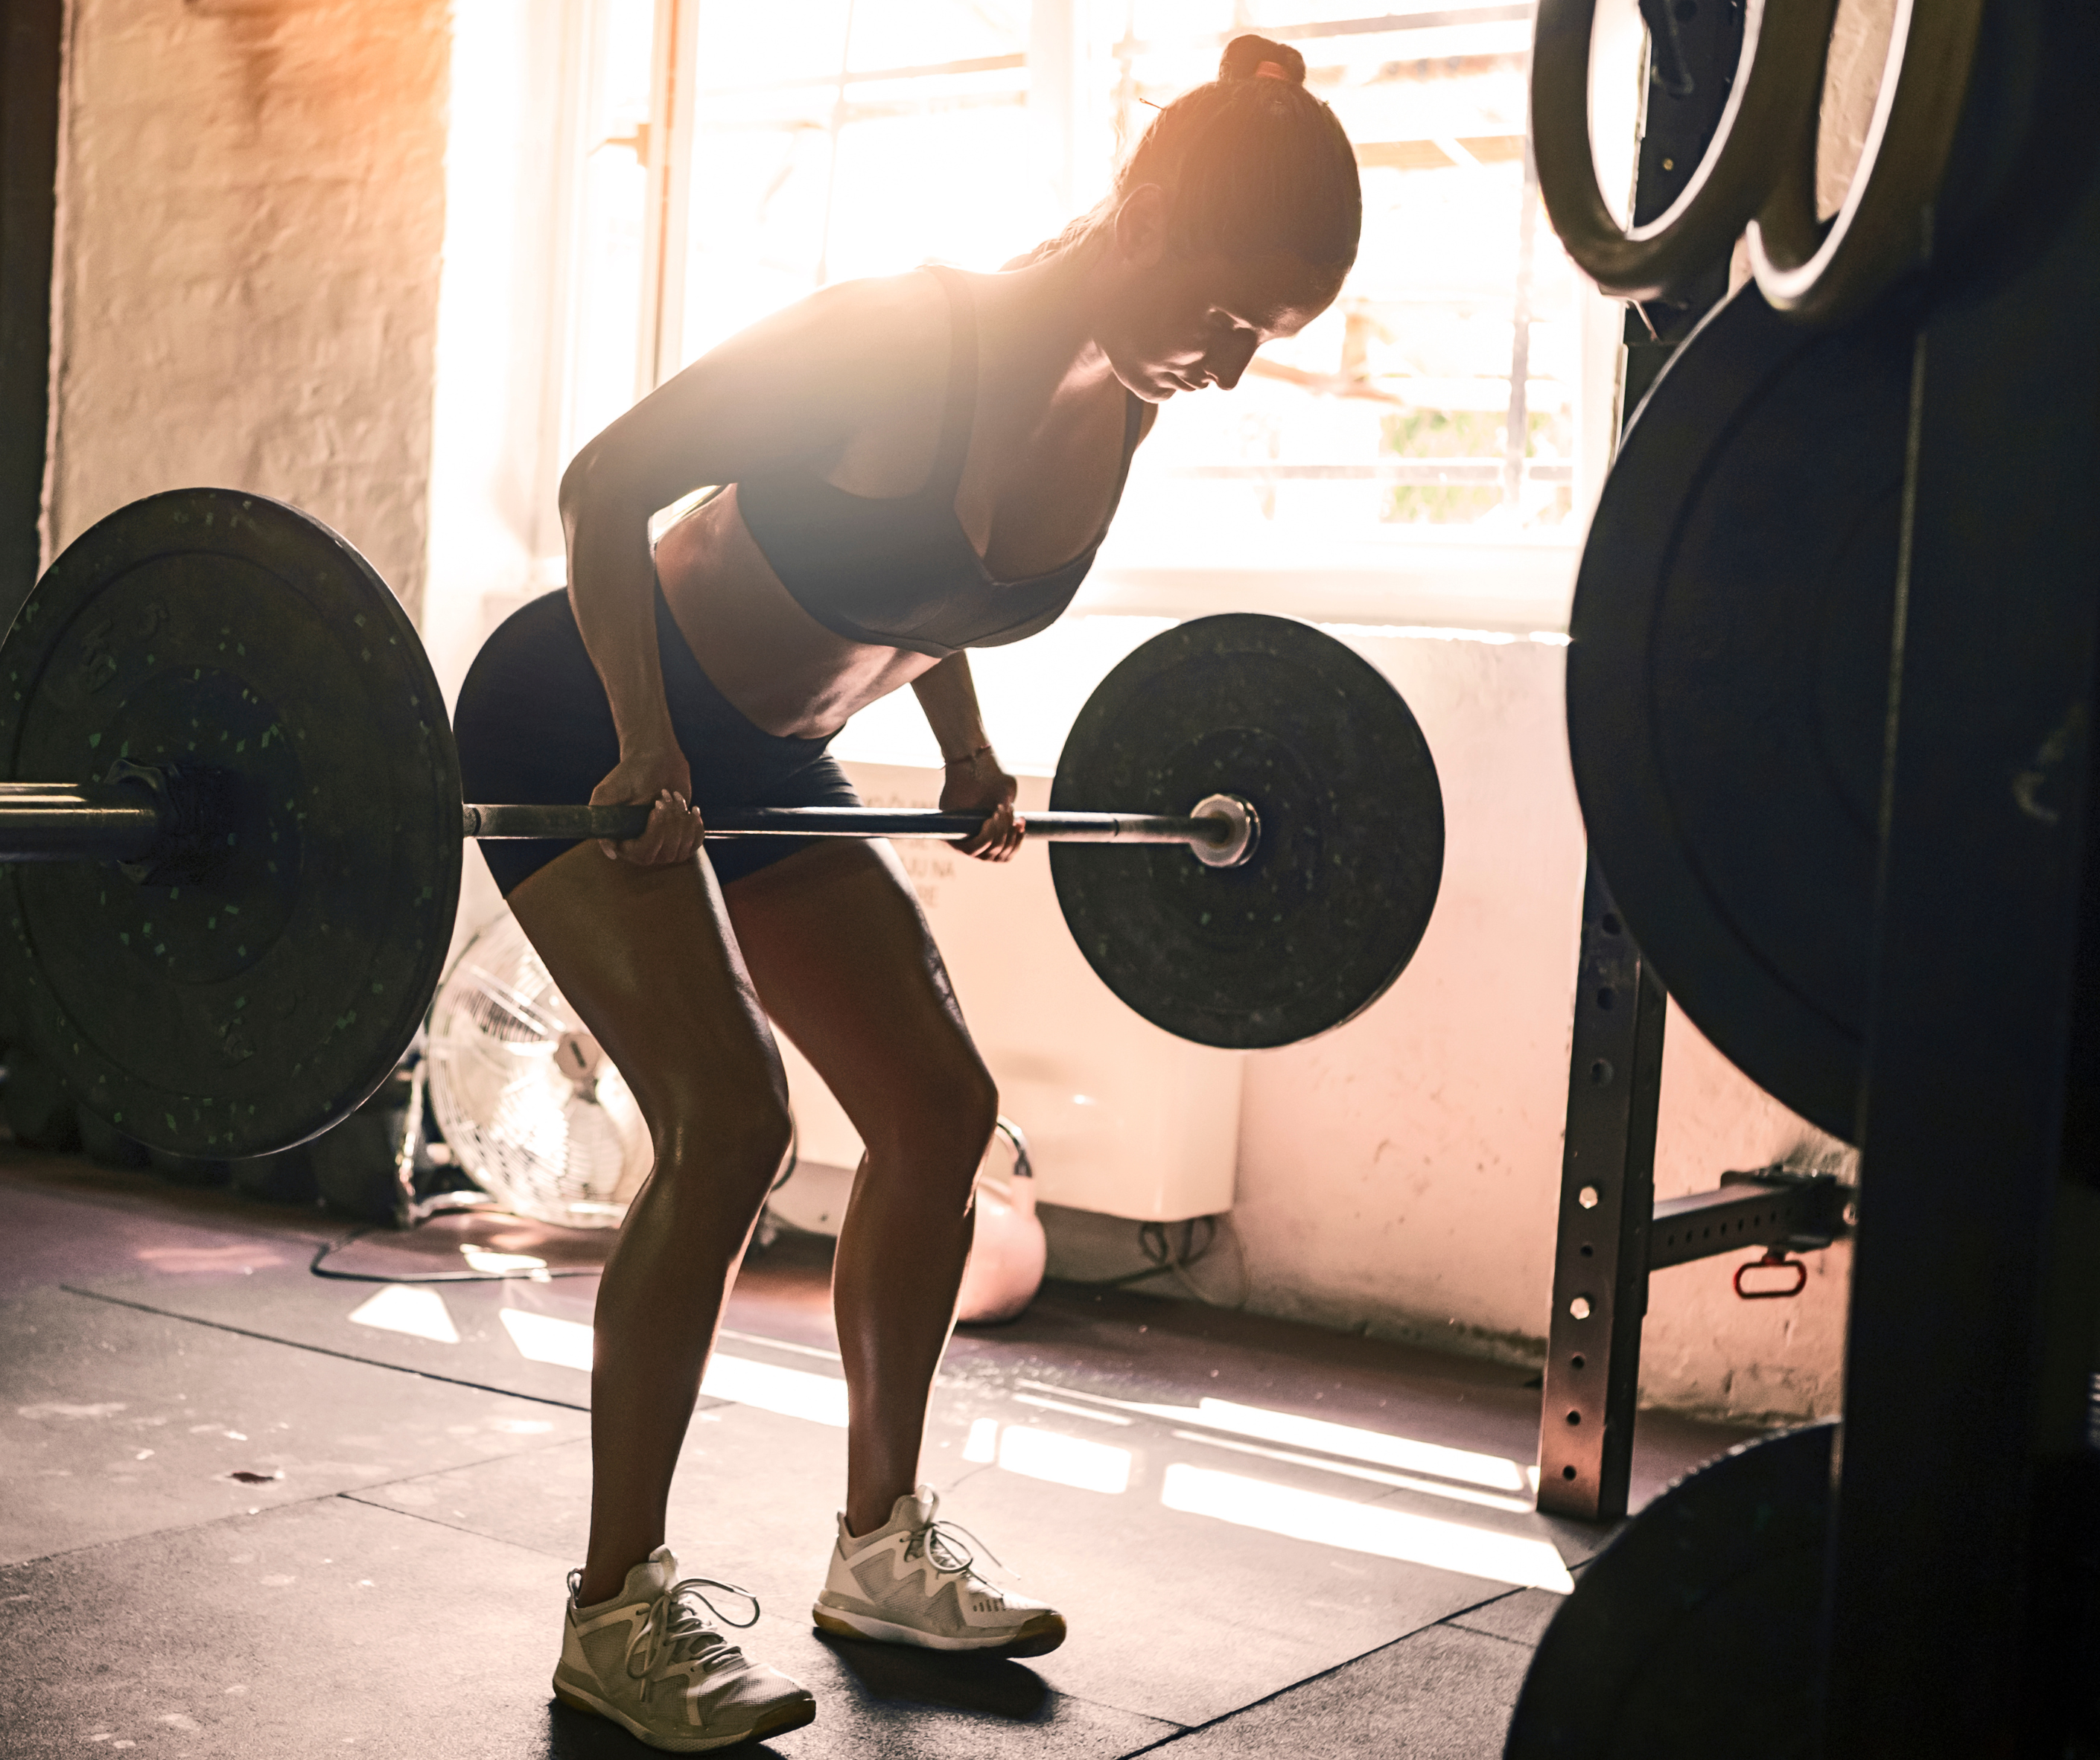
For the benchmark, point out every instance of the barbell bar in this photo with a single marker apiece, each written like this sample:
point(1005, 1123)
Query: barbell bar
point(225, 930)
point(1221, 830)
point(125, 822)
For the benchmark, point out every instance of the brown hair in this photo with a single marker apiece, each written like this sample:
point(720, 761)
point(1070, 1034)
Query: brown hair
point(1252, 163)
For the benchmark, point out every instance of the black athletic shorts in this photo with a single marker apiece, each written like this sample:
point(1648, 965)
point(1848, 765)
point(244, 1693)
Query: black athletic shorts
point(533, 725)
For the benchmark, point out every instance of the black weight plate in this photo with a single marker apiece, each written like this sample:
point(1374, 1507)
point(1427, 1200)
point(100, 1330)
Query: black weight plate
point(1694, 1633)
point(249, 1012)
point(1330, 908)
point(1728, 682)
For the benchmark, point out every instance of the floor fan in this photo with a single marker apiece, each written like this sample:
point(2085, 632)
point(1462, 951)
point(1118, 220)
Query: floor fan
point(533, 1108)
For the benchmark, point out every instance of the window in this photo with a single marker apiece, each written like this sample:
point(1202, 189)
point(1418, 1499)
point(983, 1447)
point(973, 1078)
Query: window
point(1434, 432)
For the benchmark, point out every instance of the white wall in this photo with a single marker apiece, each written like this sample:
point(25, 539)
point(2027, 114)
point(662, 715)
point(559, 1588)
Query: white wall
point(251, 202)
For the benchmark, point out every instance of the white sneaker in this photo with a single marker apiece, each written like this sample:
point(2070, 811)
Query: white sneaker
point(653, 1663)
point(909, 1582)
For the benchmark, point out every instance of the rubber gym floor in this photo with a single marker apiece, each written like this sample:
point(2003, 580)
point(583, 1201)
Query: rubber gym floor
point(251, 1511)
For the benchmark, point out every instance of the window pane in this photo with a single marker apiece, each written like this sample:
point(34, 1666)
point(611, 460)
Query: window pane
point(1391, 414)
point(607, 263)
point(857, 137)
point(837, 139)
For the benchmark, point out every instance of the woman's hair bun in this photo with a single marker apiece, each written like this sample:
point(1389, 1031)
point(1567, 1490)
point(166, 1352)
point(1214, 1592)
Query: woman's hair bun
point(1244, 57)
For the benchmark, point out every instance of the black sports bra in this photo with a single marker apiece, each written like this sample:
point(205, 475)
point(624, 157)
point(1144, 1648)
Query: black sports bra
point(897, 570)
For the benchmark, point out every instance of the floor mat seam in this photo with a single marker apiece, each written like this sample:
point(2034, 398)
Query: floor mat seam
point(1476, 1631)
point(1255, 1705)
point(172, 1527)
point(323, 1350)
point(438, 1521)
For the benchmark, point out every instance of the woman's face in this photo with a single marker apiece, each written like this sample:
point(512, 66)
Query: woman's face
point(1179, 322)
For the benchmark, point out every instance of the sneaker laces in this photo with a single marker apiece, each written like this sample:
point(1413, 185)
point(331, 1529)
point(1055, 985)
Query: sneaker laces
point(675, 1632)
point(942, 1542)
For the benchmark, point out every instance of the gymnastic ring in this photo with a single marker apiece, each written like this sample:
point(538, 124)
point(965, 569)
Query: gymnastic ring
point(1823, 274)
point(1770, 111)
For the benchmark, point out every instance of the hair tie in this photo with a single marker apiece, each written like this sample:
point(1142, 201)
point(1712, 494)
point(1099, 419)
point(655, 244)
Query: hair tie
point(1271, 70)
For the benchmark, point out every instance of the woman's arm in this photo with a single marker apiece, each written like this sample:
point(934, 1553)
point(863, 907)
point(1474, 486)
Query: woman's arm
point(797, 385)
point(974, 780)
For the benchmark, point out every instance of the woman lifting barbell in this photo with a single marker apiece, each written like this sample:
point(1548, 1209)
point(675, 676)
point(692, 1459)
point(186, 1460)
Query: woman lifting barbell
point(915, 466)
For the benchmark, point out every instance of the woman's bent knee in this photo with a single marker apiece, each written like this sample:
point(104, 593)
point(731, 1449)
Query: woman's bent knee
point(946, 1122)
point(747, 1141)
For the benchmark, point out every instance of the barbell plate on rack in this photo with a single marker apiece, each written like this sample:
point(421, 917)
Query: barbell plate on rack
point(1728, 684)
point(1695, 1632)
point(1326, 913)
point(254, 1004)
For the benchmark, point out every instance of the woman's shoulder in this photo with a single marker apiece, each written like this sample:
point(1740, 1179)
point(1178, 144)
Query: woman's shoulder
point(875, 331)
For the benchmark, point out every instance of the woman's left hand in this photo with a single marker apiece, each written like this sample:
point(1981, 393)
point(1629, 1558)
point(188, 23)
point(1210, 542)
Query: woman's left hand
point(977, 784)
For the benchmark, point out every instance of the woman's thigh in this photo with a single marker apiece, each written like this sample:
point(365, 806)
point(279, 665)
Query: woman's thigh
point(846, 965)
point(646, 958)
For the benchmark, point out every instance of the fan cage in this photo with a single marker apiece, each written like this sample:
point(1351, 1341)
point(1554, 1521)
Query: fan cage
point(534, 1111)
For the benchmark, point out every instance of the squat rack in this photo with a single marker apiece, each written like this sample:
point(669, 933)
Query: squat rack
point(1610, 1232)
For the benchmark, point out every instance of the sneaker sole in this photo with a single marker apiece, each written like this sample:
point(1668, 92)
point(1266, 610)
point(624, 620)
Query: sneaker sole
point(1038, 1637)
point(790, 1715)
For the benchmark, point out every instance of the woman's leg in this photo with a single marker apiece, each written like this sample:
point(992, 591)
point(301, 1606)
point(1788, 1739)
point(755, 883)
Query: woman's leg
point(843, 963)
point(645, 957)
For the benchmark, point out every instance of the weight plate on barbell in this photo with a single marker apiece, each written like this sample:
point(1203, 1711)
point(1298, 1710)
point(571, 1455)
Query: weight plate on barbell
point(1330, 907)
point(250, 1009)
point(1695, 1632)
point(1728, 684)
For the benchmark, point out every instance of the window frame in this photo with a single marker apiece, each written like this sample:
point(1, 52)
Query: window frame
point(1461, 574)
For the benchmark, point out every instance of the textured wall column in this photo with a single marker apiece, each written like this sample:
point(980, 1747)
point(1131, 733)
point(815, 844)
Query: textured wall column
point(252, 211)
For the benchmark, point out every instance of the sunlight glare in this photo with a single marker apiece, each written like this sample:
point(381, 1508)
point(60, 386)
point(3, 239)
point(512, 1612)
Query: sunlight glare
point(399, 1307)
point(548, 1338)
point(791, 1392)
point(1064, 1460)
point(1490, 1470)
point(497, 1264)
point(1311, 1517)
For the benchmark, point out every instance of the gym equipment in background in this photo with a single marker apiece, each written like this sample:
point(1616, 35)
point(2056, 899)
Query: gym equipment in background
point(535, 1112)
point(263, 772)
point(1756, 169)
point(1728, 686)
point(1611, 1232)
point(1922, 1580)
point(1007, 1252)
point(1700, 1616)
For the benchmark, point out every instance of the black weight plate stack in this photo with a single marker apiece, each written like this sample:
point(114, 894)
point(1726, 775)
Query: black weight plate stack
point(1693, 1635)
point(1728, 682)
point(1330, 908)
point(250, 1010)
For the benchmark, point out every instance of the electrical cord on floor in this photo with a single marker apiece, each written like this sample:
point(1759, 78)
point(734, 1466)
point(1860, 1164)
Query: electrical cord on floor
point(1156, 1244)
point(529, 1274)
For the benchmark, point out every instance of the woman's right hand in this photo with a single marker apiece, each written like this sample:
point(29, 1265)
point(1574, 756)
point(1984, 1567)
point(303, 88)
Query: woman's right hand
point(663, 781)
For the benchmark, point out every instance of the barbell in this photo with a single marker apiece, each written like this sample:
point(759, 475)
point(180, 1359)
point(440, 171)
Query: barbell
point(153, 816)
point(250, 748)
